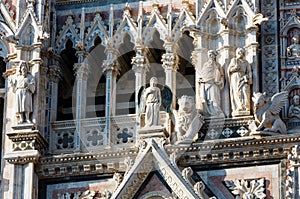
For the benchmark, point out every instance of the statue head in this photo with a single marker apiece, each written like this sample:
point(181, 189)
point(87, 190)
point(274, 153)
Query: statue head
point(23, 68)
point(295, 40)
point(296, 100)
point(240, 52)
point(259, 99)
point(212, 54)
point(186, 104)
point(153, 81)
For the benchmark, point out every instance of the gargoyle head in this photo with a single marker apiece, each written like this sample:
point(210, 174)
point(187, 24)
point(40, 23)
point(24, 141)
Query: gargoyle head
point(259, 99)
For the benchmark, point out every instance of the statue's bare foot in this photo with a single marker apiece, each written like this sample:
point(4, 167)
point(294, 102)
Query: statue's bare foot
point(28, 121)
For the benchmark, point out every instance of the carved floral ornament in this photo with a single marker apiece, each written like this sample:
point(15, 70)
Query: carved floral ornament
point(247, 189)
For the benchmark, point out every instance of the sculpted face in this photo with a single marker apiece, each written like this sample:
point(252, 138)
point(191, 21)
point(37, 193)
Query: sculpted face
point(153, 81)
point(186, 104)
point(296, 100)
point(23, 68)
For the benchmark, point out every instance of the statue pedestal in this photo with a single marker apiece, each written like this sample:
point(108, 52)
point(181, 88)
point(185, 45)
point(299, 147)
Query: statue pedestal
point(240, 113)
point(23, 126)
point(151, 132)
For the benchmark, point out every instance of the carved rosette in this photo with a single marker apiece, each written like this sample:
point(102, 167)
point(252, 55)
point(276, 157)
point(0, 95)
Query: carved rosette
point(247, 188)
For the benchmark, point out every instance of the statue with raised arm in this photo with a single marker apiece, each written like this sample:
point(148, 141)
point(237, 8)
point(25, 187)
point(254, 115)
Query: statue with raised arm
point(211, 79)
point(24, 86)
point(240, 78)
point(294, 110)
point(293, 51)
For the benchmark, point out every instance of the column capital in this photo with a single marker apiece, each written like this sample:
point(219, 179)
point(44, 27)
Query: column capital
point(81, 70)
point(110, 65)
point(140, 63)
point(54, 73)
point(170, 61)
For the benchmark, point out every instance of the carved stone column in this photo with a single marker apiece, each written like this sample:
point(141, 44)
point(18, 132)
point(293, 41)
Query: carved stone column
point(293, 174)
point(252, 55)
point(27, 147)
point(110, 68)
point(82, 71)
point(54, 76)
point(199, 56)
point(170, 64)
point(140, 69)
point(225, 56)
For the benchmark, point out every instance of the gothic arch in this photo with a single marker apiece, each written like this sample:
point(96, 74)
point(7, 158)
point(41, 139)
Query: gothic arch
point(68, 32)
point(97, 29)
point(156, 195)
point(237, 19)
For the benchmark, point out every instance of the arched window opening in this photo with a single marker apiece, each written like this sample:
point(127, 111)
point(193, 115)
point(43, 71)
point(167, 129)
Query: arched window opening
point(125, 104)
point(96, 83)
point(185, 78)
point(65, 95)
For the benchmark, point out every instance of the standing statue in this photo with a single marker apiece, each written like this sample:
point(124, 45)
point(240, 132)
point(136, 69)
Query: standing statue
point(240, 78)
point(293, 51)
point(211, 79)
point(266, 112)
point(24, 86)
point(294, 110)
point(150, 100)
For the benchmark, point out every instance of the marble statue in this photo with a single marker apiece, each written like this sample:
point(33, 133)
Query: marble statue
point(294, 110)
point(187, 119)
point(293, 51)
point(240, 78)
point(152, 100)
point(266, 112)
point(24, 86)
point(211, 79)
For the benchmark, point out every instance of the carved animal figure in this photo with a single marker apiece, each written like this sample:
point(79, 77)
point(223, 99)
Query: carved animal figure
point(266, 112)
point(187, 120)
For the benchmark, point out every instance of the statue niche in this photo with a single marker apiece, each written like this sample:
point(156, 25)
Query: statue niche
point(293, 51)
point(23, 85)
point(294, 109)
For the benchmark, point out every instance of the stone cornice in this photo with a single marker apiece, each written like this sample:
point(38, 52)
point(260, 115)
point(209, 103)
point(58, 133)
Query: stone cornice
point(198, 154)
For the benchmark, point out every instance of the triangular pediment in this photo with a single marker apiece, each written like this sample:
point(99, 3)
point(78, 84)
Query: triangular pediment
point(156, 22)
point(126, 26)
point(293, 83)
point(68, 31)
point(293, 21)
point(97, 28)
point(153, 156)
point(29, 25)
point(185, 18)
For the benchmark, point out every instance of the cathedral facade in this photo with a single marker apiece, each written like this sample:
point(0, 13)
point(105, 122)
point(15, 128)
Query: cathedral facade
point(150, 99)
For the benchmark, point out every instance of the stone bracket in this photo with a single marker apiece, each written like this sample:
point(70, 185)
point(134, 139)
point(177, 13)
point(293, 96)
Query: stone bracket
point(27, 139)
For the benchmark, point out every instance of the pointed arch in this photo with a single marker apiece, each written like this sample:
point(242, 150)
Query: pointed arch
point(68, 32)
point(156, 22)
point(127, 26)
point(185, 18)
point(30, 23)
point(97, 29)
point(215, 5)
